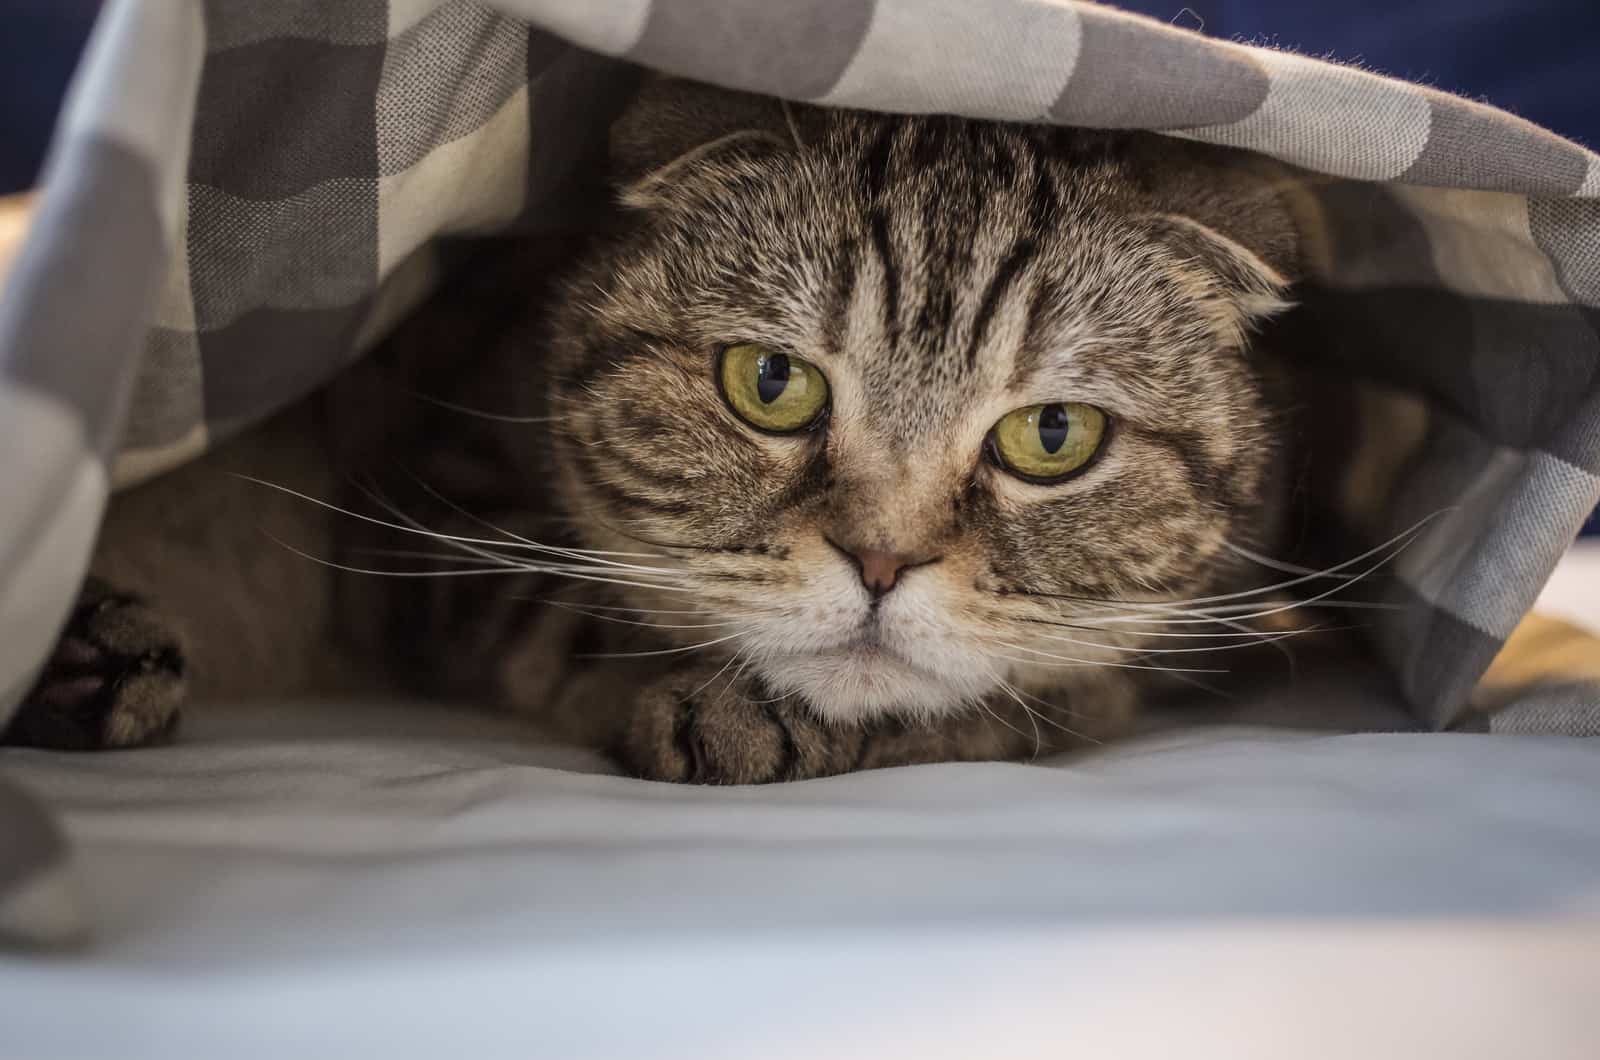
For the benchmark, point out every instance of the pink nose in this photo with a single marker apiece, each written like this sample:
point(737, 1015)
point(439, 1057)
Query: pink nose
point(880, 568)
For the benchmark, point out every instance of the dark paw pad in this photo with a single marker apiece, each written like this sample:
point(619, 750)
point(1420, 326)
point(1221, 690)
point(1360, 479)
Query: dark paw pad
point(116, 679)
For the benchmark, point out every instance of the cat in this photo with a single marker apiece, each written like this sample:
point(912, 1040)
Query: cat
point(857, 440)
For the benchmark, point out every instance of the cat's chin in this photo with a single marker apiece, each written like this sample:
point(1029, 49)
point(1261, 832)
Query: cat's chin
point(859, 683)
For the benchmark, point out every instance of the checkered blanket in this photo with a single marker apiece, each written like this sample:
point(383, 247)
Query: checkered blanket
point(244, 195)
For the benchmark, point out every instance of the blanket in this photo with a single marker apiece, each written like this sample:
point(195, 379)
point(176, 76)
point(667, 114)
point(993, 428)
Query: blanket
point(243, 197)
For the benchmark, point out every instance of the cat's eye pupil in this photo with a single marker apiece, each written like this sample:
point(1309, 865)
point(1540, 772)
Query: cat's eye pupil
point(771, 377)
point(1053, 427)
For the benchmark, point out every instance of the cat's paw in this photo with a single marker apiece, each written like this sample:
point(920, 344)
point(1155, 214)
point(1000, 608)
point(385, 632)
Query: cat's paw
point(116, 678)
point(699, 727)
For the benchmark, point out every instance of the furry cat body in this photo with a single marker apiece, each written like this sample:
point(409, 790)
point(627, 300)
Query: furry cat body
point(939, 273)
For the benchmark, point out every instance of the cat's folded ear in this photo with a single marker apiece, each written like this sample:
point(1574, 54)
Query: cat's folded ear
point(1246, 280)
point(1225, 211)
point(676, 130)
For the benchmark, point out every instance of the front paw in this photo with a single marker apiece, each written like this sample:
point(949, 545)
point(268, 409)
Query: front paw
point(698, 726)
point(115, 679)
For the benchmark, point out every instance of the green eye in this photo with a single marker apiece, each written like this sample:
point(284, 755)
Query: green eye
point(1047, 442)
point(772, 391)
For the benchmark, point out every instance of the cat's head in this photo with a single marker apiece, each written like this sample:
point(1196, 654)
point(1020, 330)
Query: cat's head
point(911, 407)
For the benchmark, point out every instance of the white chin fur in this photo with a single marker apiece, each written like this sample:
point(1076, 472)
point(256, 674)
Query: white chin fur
point(853, 685)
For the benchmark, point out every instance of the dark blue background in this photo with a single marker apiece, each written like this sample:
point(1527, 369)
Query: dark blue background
point(39, 45)
point(1536, 58)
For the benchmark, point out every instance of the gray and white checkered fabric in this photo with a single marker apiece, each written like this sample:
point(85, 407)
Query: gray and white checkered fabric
point(244, 195)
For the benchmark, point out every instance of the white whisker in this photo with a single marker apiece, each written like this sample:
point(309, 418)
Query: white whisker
point(588, 562)
point(707, 682)
point(1244, 640)
point(1399, 543)
point(665, 651)
point(411, 553)
point(436, 535)
point(634, 622)
point(384, 573)
point(1069, 662)
point(1033, 720)
point(1018, 694)
point(497, 417)
point(981, 705)
point(1210, 616)
point(1279, 565)
point(504, 569)
point(582, 553)
point(643, 610)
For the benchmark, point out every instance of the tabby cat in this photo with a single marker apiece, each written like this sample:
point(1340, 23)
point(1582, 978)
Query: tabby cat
point(857, 440)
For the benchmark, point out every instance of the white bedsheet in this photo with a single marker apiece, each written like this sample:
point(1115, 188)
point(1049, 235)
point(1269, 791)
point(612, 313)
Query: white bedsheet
point(399, 882)
point(414, 883)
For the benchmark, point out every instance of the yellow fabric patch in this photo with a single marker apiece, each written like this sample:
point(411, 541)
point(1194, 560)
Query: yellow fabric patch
point(1544, 650)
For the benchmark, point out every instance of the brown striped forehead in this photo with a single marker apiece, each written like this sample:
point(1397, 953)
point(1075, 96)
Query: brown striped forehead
point(955, 213)
point(934, 266)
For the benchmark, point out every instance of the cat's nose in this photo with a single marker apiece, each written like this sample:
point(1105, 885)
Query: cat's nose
point(880, 568)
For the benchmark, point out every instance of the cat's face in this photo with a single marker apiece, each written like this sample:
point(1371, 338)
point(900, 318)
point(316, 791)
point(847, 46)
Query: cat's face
point(902, 409)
